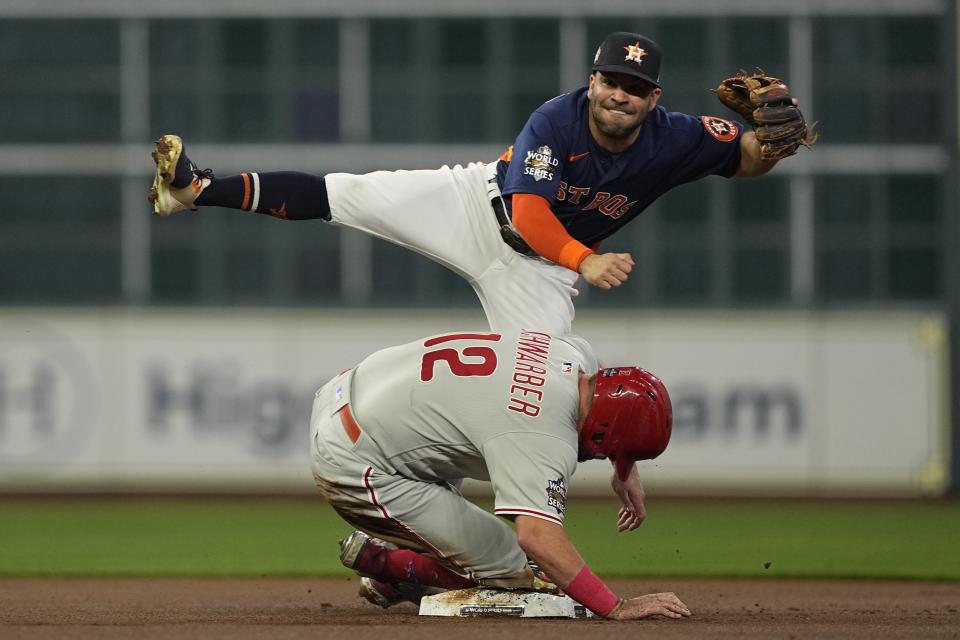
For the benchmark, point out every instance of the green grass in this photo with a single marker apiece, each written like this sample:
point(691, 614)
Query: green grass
point(838, 539)
point(297, 537)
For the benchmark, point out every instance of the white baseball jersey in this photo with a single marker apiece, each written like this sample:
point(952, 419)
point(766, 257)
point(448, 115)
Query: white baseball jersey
point(445, 214)
point(486, 406)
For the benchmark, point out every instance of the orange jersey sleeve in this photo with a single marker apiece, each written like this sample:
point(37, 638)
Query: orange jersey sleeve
point(536, 222)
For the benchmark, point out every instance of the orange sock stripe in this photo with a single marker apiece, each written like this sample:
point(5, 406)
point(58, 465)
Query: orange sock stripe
point(246, 192)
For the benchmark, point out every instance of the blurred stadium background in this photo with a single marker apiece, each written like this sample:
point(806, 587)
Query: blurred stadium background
point(805, 322)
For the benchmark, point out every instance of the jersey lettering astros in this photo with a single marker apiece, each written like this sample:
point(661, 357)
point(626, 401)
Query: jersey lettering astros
point(594, 192)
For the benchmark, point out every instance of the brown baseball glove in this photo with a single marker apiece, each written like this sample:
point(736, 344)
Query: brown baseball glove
point(766, 104)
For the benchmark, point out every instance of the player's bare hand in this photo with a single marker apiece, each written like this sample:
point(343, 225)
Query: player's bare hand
point(633, 511)
point(628, 520)
point(667, 605)
point(606, 270)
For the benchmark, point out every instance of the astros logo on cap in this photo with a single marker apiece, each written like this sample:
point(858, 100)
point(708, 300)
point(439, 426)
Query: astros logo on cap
point(635, 52)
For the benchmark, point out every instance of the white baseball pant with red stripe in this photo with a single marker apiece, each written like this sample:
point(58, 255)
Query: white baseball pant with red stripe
point(432, 518)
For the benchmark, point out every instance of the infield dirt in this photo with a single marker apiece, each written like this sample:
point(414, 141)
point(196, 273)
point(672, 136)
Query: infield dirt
point(329, 609)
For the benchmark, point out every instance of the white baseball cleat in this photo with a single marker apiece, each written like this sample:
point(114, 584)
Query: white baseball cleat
point(177, 182)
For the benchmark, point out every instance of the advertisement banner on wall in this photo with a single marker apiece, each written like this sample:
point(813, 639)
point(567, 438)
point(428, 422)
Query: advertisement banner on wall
point(764, 404)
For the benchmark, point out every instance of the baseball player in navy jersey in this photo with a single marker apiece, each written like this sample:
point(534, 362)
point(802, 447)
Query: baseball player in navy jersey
point(523, 229)
point(391, 438)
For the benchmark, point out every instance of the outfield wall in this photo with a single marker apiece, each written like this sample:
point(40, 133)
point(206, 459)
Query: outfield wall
point(218, 400)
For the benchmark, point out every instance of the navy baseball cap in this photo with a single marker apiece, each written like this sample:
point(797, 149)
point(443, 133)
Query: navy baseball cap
point(629, 53)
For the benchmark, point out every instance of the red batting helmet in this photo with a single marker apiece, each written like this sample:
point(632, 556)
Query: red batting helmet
point(630, 419)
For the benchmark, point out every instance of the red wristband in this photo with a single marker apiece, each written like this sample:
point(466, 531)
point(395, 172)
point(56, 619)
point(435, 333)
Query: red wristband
point(589, 590)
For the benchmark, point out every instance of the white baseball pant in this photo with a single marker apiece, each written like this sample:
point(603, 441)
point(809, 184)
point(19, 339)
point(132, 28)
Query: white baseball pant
point(445, 214)
point(429, 517)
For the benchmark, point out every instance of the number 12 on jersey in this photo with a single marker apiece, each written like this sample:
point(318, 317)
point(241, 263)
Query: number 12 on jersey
point(454, 356)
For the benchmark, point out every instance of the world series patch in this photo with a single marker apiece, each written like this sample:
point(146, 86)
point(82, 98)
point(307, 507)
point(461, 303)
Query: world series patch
point(540, 164)
point(557, 495)
point(722, 130)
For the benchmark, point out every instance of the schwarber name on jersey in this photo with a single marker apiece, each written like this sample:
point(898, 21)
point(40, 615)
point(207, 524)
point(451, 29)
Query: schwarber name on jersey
point(594, 192)
point(488, 406)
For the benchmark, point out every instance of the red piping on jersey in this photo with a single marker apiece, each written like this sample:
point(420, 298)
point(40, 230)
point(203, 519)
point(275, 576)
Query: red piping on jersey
point(529, 512)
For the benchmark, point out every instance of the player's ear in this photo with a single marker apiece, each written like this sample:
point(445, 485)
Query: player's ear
point(654, 97)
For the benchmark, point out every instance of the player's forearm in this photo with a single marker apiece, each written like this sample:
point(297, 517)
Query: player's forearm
point(544, 233)
point(551, 548)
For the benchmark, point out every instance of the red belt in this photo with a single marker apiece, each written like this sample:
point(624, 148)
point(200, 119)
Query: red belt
point(349, 423)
